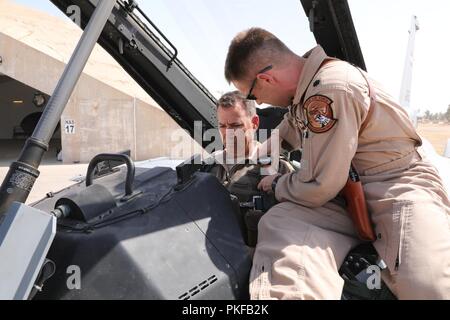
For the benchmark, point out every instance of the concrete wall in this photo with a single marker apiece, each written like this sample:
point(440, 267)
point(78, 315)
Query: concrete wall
point(116, 123)
point(28, 65)
point(101, 123)
point(156, 135)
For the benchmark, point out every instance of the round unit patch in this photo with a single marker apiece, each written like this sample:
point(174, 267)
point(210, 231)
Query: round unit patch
point(319, 113)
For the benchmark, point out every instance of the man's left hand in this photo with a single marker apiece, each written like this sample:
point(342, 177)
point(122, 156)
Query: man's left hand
point(266, 183)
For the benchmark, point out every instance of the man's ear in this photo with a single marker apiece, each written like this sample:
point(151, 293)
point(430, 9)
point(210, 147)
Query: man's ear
point(255, 122)
point(266, 78)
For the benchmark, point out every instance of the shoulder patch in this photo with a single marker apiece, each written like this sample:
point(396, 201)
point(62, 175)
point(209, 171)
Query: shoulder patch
point(319, 113)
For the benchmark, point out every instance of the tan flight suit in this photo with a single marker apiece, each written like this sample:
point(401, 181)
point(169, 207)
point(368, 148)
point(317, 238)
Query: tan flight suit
point(303, 241)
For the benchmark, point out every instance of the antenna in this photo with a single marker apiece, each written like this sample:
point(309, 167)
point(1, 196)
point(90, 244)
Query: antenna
point(405, 91)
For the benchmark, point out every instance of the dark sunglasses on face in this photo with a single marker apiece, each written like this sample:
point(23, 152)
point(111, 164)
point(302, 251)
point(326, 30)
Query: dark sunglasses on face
point(250, 96)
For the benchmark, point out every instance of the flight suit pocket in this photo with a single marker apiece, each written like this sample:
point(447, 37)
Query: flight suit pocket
point(260, 279)
point(395, 244)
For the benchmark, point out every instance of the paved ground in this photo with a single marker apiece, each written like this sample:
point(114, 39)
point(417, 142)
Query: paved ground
point(53, 178)
point(54, 175)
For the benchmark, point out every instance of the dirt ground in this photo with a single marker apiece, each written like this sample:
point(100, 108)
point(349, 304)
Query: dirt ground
point(437, 134)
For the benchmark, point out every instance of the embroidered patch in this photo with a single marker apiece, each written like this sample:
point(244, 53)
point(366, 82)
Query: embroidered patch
point(319, 113)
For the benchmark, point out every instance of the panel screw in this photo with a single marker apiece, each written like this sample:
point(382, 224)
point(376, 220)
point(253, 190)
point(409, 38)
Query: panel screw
point(1, 60)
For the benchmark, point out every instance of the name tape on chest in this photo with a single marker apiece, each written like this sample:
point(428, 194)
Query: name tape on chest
point(319, 113)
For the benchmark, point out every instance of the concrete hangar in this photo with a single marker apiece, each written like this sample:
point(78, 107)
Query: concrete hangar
point(107, 112)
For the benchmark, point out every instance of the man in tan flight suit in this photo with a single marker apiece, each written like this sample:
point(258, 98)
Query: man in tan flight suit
point(337, 116)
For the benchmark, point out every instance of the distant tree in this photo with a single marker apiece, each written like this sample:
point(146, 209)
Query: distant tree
point(428, 115)
point(447, 114)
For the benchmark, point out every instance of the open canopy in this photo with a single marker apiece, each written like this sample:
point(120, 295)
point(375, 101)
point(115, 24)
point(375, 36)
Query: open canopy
point(152, 59)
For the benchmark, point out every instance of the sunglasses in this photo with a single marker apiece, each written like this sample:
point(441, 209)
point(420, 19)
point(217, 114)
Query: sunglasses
point(250, 96)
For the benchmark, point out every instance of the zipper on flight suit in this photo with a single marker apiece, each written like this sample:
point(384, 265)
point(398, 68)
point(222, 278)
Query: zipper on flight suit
point(306, 134)
point(304, 122)
point(302, 126)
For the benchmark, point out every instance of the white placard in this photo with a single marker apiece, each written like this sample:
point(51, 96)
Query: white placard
point(69, 126)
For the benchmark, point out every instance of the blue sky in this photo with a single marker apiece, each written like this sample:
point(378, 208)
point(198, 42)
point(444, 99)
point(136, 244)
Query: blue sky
point(202, 30)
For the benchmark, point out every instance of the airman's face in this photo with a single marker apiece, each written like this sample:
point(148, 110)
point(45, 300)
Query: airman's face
point(266, 90)
point(237, 129)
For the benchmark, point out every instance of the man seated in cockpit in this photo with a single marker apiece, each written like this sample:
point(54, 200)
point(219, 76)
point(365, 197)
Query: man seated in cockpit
point(238, 123)
point(236, 166)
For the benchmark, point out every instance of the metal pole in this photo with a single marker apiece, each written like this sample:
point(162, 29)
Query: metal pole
point(405, 91)
point(55, 107)
point(23, 173)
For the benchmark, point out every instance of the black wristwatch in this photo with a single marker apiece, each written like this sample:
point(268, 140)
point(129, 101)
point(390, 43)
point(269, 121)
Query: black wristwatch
point(274, 183)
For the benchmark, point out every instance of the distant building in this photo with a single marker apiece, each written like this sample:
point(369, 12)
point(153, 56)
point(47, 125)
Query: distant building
point(107, 112)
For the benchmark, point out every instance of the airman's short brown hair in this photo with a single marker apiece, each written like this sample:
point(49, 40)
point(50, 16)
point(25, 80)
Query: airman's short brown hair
point(249, 51)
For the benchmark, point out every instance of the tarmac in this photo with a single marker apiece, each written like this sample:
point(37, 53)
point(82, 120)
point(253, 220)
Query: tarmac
point(54, 174)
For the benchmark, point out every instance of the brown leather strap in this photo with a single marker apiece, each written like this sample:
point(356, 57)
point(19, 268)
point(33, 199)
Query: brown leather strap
point(354, 192)
point(373, 99)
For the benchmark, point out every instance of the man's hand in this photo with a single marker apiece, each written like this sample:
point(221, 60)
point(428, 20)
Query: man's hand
point(266, 183)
